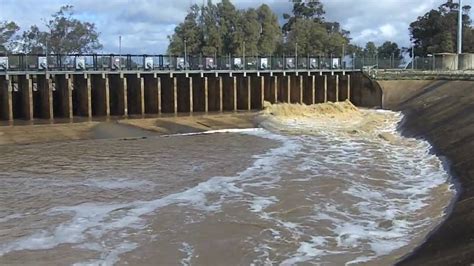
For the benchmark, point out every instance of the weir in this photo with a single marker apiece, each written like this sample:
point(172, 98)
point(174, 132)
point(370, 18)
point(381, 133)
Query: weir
point(49, 95)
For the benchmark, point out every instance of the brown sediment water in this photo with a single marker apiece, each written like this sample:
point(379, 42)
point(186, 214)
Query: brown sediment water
point(334, 186)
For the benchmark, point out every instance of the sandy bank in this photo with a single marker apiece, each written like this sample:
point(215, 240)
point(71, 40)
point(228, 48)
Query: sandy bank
point(125, 128)
point(443, 113)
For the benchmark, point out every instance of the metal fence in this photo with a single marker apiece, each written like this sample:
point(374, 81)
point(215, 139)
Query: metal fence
point(90, 62)
point(112, 62)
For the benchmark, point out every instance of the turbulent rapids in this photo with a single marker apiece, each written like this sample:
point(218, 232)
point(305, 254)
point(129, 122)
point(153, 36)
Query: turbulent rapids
point(326, 183)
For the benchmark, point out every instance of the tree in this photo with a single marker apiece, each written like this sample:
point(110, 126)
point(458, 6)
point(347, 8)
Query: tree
point(370, 50)
point(246, 33)
point(270, 35)
point(33, 41)
point(307, 29)
point(212, 39)
point(7, 31)
point(228, 17)
point(436, 31)
point(388, 50)
point(65, 35)
point(188, 31)
point(310, 10)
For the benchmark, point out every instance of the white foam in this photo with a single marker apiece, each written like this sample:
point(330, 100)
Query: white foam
point(217, 131)
point(188, 250)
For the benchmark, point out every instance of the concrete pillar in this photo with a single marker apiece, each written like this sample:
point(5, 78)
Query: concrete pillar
point(118, 95)
point(221, 94)
point(26, 91)
point(337, 88)
point(191, 106)
point(301, 88)
point(249, 93)
point(152, 94)
point(348, 87)
point(325, 92)
point(262, 92)
point(45, 97)
point(234, 88)
point(81, 96)
point(288, 89)
point(6, 99)
point(175, 95)
point(62, 96)
point(100, 91)
point(275, 89)
point(313, 89)
point(135, 94)
point(206, 95)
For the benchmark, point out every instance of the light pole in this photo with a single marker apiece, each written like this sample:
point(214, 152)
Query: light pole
point(460, 28)
point(185, 54)
point(243, 53)
point(120, 52)
point(296, 55)
point(343, 54)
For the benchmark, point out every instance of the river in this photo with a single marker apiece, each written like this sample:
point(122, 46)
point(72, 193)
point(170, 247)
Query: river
point(294, 192)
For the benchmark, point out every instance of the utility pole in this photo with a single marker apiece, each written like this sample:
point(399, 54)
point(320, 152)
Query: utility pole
point(296, 56)
point(185, 55)
point(243, 53)
point(460, 28)
point(412, 57)
point(343, 54)
point(120, 52)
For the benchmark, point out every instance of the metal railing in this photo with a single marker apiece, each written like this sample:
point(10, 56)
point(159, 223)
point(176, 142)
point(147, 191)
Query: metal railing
point(112, 62)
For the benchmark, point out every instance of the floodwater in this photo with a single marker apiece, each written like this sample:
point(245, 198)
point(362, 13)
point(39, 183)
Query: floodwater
point(238, 197)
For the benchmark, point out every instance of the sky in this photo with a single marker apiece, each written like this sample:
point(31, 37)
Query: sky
point(145, 24)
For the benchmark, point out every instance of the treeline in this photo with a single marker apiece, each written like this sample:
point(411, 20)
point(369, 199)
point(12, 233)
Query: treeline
point(222, 29)
point(64, 34)
point(436, 31)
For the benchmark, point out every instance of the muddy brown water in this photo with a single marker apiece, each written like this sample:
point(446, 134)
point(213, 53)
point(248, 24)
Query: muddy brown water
point(243, 197)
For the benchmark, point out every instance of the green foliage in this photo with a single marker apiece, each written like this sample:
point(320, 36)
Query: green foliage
point(221, 29)
point(189, 32)
point(271, 35)
point(304, 10)
point(65, 35)
point(7, 31)
point(308, 30)
point(389, 50)
point(436, 31)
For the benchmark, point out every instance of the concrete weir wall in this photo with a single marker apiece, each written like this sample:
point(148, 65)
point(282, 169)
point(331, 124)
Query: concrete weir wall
point(442, 112)
point(103, 94)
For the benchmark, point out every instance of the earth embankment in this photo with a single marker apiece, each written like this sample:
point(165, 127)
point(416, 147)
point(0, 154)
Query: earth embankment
point(442, 112)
